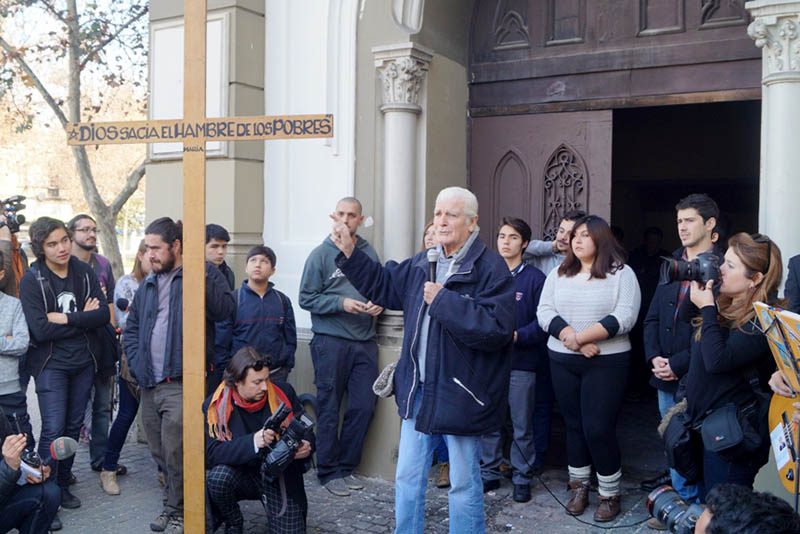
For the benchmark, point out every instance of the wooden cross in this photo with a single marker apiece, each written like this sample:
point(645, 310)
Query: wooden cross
point(194, 130)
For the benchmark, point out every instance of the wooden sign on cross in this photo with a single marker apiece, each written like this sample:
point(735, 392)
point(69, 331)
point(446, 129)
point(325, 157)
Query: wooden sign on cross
point(194, 130)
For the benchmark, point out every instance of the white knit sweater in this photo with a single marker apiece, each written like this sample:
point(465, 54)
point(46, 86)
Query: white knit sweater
point(582, 302)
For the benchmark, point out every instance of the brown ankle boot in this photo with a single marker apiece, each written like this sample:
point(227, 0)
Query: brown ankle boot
point(608, 509)
point(578, 497)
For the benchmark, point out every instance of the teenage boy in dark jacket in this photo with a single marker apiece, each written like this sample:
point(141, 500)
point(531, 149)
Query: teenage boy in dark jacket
point(64, 306)
point(453, 373)
point(264, 317)
point(153, 340)
point(527, 356)
point(217, 238)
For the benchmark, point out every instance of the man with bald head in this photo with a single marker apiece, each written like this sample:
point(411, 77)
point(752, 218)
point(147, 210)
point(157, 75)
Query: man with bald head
point(344, 353)
point(453, 373)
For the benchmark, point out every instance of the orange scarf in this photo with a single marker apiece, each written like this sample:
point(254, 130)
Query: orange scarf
point(221, 407)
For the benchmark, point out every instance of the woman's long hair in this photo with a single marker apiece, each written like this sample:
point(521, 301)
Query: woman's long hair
point(609, 255)
point(137, 272)
point(758, 254)
point(425, 231)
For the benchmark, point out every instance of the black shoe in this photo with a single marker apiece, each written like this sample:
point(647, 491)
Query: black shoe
point(71, 481)
point(652, 483)
point(490, 485)
point(522, 492)
point(121, 470)
point(55, 524)
point(68, 500)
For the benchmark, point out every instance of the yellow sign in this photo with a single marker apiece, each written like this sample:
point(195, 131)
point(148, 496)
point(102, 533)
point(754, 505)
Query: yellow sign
point(221, 129)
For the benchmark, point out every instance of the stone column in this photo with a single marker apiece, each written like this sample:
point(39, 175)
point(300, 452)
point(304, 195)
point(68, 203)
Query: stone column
point(775, 28)
point(402, 69)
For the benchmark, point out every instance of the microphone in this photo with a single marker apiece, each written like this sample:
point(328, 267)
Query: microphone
point(122, 304)
point(63, 448)
point(433, 259)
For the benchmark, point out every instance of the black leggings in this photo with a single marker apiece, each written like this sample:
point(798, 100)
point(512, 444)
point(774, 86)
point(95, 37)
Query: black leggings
point(590, 392)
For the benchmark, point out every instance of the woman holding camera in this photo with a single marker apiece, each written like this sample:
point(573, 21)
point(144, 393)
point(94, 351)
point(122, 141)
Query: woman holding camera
point(588, 305)
point(731, 363)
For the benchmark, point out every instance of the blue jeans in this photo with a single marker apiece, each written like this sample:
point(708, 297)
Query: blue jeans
point(688, 492)
point(440, 455)
point(101, 419)
point(30, 508)
point(466, 490)
point(128, 406)
point(62, 401)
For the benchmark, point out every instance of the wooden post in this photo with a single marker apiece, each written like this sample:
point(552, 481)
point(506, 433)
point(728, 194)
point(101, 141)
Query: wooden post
point(194, 280)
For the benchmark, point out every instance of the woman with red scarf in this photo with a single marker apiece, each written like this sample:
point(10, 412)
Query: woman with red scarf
point(236, 444)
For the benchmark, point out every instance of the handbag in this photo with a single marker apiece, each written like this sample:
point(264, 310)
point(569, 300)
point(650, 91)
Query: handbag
point(721, 429)
point(681, 443)
point(384, 384)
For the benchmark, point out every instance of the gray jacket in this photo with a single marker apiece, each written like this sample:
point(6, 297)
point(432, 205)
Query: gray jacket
point(14, 340)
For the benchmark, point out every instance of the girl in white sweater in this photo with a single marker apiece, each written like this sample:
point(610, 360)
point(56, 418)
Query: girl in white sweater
point(588, 305)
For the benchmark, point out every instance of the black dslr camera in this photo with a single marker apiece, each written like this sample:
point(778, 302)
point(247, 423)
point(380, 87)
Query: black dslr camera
point(703, 268)
point(31, 461)
point(11, 208)
point(281, 453)
point(666, 505)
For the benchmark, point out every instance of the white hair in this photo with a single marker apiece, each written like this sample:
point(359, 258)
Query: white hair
point(459, 193)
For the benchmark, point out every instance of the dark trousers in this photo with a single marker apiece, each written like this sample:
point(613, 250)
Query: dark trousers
point(717, 470)
point(162, 417)
point(543, 412)
point(31, 508)
point(227, 485)
point(15, 406)
point(342, 365)
point(128, 406)
point(101, 419)
point(62, 401)
point(590, 392)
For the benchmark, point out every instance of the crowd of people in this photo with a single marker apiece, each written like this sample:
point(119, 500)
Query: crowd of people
point(491, 340)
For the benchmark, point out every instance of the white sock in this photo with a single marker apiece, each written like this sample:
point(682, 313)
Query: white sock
point(608, 485)
point(580, 473)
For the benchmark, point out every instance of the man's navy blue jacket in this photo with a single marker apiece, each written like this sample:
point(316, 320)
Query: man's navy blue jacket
point(530, 350)
point(468, 361)
point(142, 317)
point(266, 324)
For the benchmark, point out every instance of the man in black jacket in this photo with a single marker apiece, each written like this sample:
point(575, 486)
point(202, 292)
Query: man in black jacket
point(236, 444)
point(28, 507)
point(64, 306)
point(792, 290)
point(667, 326)
point(153, 340)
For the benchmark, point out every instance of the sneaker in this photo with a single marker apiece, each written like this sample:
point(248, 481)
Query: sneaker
point(337, 487)
point(656, 482)
point(108, 481)
point(68, 500)
point(175, 526)
point(353, 483)
point(490, 485)
point(55, 524)
point(443, 479)
point(522, 492)
point(655, 524)
point(159, 524)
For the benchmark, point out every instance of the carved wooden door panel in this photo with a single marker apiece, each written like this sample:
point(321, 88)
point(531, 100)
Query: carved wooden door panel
point(538, 166)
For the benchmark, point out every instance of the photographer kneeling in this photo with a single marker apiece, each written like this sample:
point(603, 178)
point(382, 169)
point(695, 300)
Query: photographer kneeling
point(237, 443)
point(731, 364)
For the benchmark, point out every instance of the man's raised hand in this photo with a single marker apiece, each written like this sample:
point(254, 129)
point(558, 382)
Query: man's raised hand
point(341, 237)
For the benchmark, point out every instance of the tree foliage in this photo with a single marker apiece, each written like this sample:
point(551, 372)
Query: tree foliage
point(98, 44)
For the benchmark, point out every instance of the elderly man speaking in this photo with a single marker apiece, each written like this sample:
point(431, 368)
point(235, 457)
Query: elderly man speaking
point(452, 377)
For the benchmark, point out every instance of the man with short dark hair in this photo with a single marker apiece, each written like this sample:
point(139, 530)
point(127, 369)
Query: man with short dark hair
point(64, 307)
point(733, 508)
point(153, 340)
point(547, 255)
point(344, 353)
point(217, 239)
point(236, 444)
point(667, 325)
point(84, 247)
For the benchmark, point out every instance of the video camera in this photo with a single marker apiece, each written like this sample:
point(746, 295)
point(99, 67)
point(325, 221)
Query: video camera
point(281, 453)
point(31, 461)
point(703, 268)
point(677, 515)
point(11, 208)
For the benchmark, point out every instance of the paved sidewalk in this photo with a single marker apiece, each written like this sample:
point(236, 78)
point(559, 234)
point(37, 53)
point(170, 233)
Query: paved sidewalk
point(372, 510)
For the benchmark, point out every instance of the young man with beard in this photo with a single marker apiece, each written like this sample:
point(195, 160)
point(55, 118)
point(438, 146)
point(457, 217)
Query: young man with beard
point(668, 325)
point(64, 307)
point(547, 255)
point(153, 340)
point(84, 247)
point(528, 352)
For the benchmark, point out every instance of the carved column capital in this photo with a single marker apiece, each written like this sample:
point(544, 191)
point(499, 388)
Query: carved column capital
point(402, 69)
point(776, 30)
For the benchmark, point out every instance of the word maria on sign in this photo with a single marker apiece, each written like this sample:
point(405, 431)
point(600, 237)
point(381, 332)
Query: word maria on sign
point(222, 129)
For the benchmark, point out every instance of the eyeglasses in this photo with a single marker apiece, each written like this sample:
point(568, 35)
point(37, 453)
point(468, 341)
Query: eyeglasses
point(91, 230)
point(259, 365)
point(761, 238)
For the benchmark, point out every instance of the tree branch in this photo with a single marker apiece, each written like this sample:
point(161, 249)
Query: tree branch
point(49, 7)
point(103, 43)
point(17, 57)
point(130, 187)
